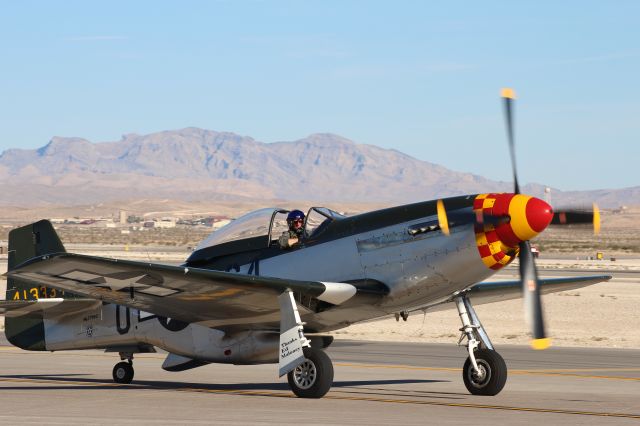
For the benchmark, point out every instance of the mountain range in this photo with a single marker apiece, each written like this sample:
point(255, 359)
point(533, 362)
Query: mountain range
point(193, 163)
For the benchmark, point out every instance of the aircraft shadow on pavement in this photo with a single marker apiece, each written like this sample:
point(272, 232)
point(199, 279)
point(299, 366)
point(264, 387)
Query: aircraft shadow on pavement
point(349, 383)
point(80, 381)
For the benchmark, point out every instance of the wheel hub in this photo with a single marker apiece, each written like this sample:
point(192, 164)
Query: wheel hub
point(481, 377)
point(120, 373)
point(305, 375)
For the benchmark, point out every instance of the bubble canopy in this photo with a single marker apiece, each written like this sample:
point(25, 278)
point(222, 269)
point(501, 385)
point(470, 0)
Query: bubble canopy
point(253, 224)
point(268, 223)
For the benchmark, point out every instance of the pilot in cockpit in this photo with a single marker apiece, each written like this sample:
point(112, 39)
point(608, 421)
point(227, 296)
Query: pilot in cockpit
point(295, 234)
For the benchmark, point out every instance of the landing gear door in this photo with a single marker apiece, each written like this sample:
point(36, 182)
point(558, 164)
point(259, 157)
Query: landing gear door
point(278, 225)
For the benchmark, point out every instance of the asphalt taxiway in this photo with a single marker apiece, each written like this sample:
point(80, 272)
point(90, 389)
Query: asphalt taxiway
point(375, 383)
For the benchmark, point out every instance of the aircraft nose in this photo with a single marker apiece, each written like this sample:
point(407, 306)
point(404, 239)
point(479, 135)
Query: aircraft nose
point(498, 241)
point(529, 216)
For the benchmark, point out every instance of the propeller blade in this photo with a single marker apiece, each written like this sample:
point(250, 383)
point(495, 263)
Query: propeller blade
point(442, 217)
point(528, 271)
point(531, 295)
point(446, 220)
point(578, 217)
point(596, 219)
point(509, 97)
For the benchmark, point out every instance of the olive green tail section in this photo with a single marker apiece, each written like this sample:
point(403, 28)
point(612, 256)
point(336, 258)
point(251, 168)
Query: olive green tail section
point(27, 242)
point(33, 240)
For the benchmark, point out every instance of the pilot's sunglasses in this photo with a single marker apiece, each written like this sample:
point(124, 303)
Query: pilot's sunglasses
point(298, 220)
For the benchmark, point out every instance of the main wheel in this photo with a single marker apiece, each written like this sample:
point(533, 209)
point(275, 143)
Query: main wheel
point(492, 374)
point(314, 377)
point(123, 373)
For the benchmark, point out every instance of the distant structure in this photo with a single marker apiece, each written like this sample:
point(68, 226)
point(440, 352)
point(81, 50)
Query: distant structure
point(123, 216)
point(165, 222)
point(134, 219)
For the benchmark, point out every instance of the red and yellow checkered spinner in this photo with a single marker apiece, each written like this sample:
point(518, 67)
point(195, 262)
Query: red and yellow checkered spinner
point(497, 241)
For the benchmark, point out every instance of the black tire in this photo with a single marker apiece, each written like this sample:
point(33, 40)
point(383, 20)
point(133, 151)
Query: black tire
point(314, 377)
point(123, 373)
point(494, 373)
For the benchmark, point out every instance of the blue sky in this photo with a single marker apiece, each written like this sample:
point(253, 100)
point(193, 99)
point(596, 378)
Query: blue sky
point(421, 77)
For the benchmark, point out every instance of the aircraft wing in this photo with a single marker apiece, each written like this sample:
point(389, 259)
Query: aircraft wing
point(53, 307)
point(194, 295)
point(497, 291)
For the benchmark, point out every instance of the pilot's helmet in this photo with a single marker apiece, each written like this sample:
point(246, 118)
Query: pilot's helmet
point(294, 216)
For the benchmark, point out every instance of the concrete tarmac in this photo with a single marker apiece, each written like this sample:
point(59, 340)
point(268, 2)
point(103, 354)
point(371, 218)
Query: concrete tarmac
point(375, 384)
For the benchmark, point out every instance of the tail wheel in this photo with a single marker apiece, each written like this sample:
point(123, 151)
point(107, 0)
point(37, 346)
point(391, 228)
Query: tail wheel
point(492, 374)
point(314, 377)
point(123, 373)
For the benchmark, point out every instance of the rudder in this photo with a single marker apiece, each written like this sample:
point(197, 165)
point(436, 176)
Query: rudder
point(27, 242)
point(33, 240)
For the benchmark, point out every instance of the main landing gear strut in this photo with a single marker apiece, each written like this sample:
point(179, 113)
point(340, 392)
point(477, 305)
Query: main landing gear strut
point(484, 371)
point(309, 370)
point(123, 371)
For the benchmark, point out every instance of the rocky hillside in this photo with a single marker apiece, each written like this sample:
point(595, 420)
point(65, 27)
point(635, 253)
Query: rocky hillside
point(193, 163)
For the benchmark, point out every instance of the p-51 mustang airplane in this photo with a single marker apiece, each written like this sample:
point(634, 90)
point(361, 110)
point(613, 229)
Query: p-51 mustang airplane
point(241, 299)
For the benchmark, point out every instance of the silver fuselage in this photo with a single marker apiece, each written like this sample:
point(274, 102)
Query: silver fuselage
point(418, 270)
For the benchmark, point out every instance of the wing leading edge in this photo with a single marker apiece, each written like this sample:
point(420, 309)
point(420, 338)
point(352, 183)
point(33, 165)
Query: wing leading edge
point(497, 291)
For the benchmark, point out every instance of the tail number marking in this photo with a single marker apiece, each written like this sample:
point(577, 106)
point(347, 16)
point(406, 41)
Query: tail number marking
point(35, 293)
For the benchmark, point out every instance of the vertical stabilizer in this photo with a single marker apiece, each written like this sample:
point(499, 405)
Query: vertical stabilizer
point(33, 240)
point(25, 243)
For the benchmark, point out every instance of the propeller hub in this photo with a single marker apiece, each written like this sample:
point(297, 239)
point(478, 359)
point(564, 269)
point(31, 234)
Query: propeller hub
point(529, 216)
point(506, 220)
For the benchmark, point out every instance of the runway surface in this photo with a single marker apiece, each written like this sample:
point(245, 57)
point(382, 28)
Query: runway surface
point(375, 383)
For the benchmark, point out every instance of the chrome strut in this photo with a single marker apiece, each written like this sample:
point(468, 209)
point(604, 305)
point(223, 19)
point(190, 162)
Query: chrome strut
point(471, 329)
point(128, 356)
